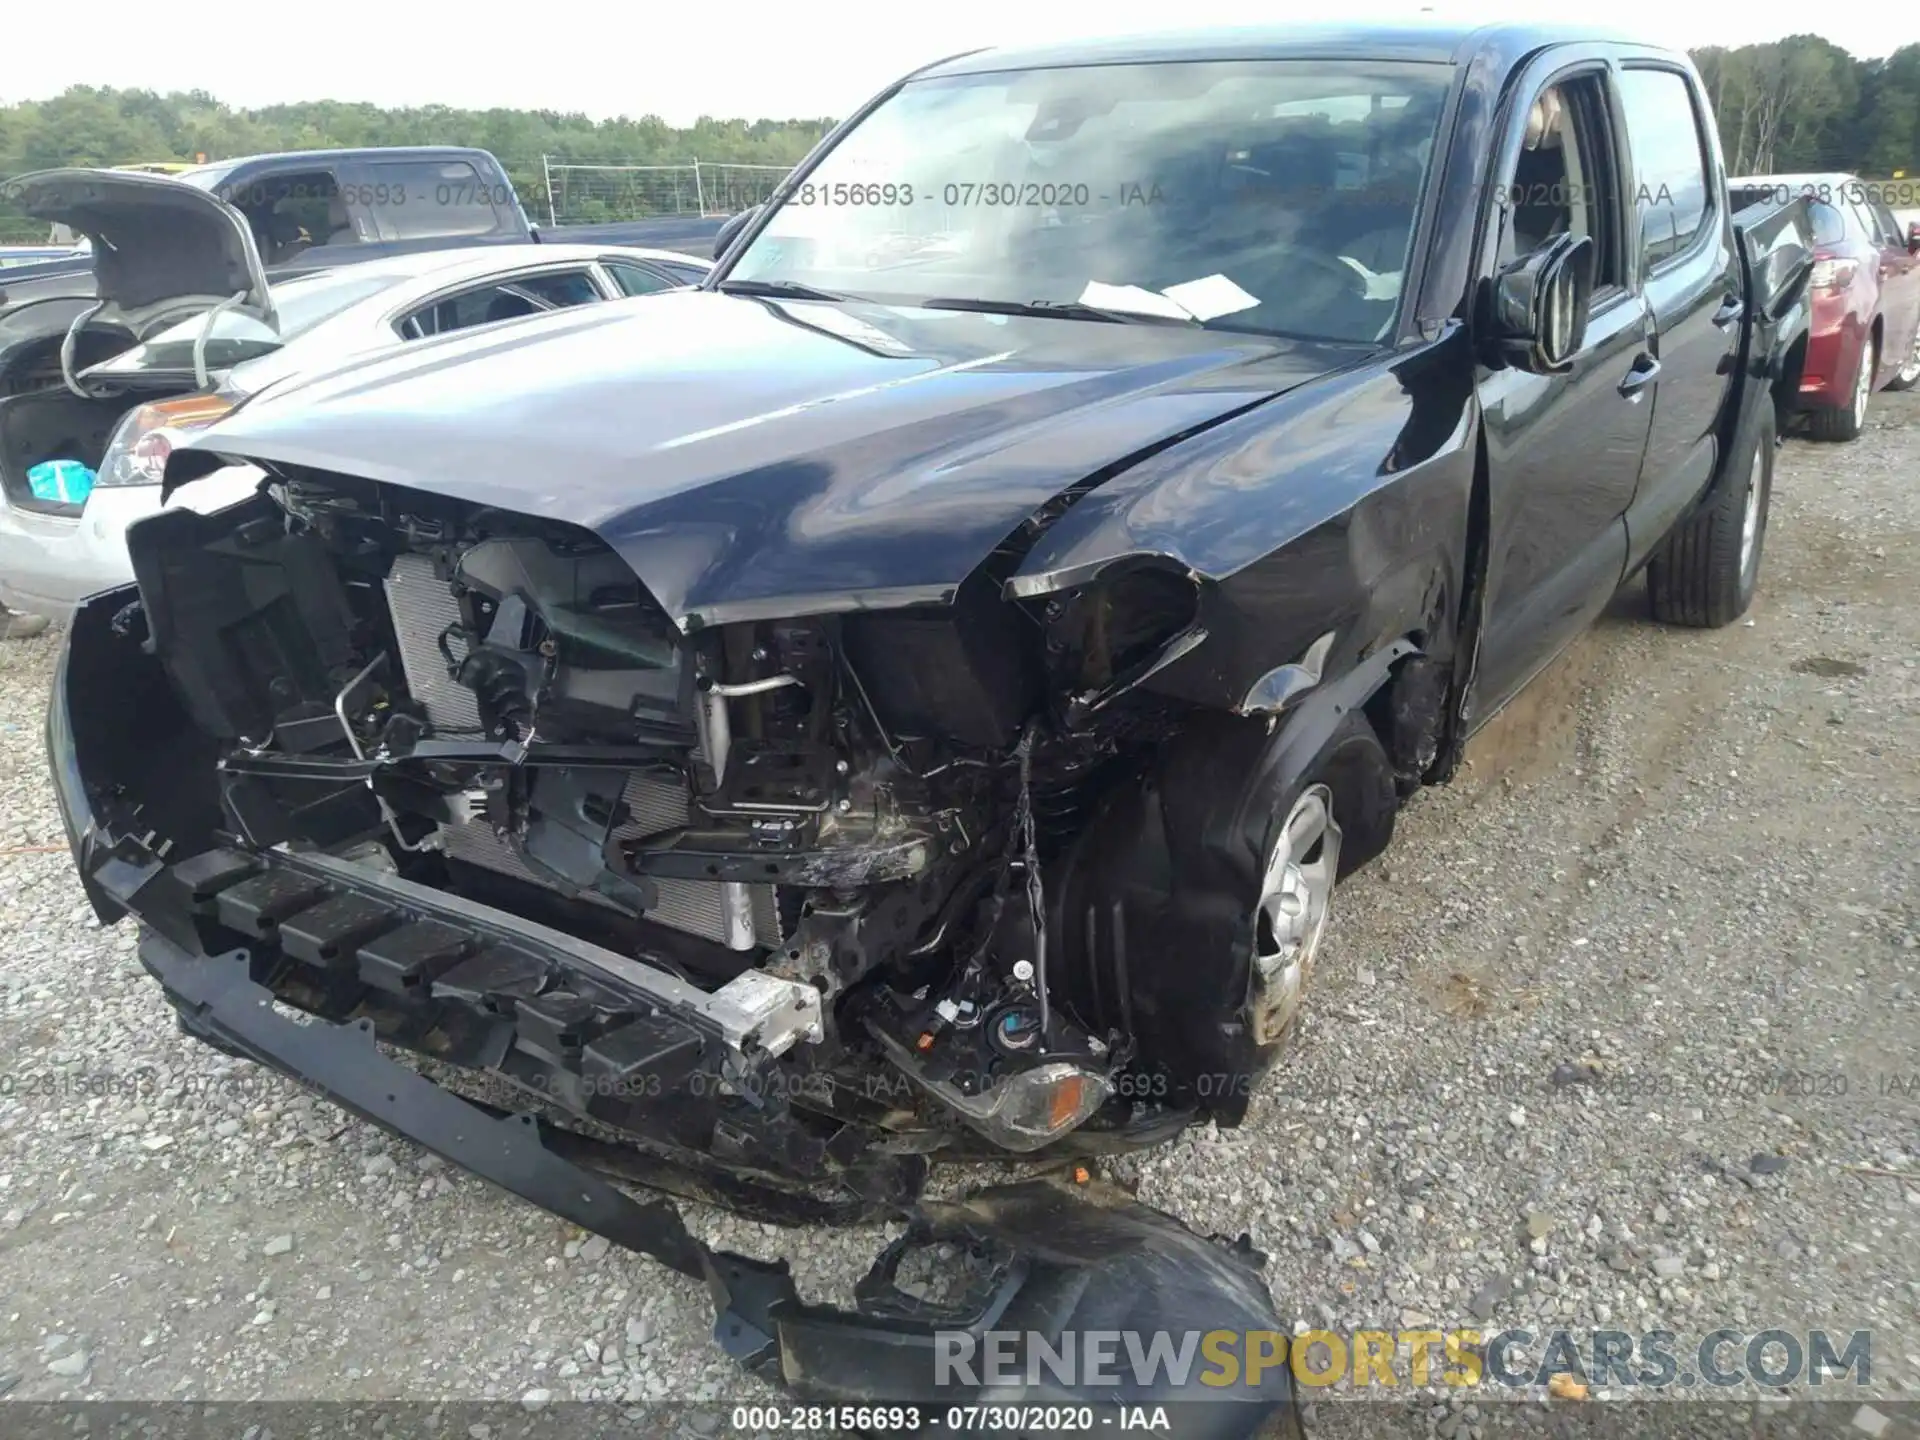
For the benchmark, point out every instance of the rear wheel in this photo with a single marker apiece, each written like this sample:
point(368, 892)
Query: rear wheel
point(1704, 573)
point(1847, 421)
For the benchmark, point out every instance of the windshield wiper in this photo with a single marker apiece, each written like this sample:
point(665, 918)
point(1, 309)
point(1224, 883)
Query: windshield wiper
point(1055, 309)
point(778, 290)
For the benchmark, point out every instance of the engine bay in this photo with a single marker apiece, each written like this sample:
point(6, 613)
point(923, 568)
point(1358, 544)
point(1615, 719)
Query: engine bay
point(839, 828)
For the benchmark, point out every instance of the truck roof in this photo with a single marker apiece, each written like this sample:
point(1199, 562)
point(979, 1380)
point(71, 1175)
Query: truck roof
point(1438, 41)
point(209, 175)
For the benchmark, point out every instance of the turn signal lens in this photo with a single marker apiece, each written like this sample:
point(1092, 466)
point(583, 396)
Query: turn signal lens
point(1028, 1109)
point(1068, 1098)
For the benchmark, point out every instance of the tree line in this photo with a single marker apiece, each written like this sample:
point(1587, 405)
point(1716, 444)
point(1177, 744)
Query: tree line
point(1798, 104)
point(86, 125)
point(1803, 104)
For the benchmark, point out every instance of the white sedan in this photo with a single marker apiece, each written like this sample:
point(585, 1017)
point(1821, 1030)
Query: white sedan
point(63, 527)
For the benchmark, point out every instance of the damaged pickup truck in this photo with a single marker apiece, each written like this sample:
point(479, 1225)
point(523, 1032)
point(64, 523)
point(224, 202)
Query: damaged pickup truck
point(914, 695)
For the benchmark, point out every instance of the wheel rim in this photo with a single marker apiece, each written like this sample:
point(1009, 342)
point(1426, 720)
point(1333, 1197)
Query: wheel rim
point(1296, 894)
point(1910, 372)
point(1862, 386)
point(1750, 515)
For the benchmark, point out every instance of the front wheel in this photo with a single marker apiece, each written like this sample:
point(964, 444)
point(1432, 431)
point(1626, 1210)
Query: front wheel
point(1704, 574)
point(1191, 910)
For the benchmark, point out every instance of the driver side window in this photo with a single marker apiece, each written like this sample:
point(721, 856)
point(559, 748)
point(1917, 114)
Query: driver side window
point(1564, 181)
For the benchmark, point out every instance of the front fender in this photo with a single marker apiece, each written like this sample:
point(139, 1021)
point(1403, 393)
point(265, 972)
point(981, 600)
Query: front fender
point(1342, 506)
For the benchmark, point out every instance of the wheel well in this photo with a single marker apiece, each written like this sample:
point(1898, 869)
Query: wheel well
point(1408, 714)
point(1366, 796)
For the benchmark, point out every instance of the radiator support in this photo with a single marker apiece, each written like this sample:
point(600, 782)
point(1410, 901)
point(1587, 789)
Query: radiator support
point(741, 917)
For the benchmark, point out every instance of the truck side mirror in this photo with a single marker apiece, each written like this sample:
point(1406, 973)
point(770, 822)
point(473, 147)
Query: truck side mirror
point(735, 224)
point(1913, 238)
point(1540, 303)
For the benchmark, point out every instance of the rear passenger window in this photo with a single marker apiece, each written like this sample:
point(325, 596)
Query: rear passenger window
point(290, 213)
point(1869, 228)
point(420, 198)
point(1890, 232)
point(502, 300)
point(1828, 227)
point(637, 280)
point(570, 288)
point(1669, 161)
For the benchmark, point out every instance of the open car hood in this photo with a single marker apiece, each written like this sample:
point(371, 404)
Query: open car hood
point(158, 243)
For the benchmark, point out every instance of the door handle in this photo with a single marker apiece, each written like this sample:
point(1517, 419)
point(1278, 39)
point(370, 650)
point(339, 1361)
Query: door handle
point(1731, 309)
point(1644, 371)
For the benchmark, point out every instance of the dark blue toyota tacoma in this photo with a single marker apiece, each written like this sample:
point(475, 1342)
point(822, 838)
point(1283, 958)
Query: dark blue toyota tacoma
point(914, 696)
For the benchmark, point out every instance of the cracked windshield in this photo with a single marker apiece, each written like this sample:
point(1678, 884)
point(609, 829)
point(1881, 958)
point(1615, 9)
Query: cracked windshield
point(1274, 197)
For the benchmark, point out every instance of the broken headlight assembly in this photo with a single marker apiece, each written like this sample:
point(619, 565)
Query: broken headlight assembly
point(147, 434)
point(1032, 1107)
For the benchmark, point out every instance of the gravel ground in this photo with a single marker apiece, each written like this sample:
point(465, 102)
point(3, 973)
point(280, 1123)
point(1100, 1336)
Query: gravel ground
point(1538, 1083)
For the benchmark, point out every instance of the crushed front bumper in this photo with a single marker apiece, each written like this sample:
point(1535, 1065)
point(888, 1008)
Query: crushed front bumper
point(1072, 1284)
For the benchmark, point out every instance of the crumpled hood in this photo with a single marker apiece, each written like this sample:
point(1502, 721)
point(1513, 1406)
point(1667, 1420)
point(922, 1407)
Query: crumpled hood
point(752, 458)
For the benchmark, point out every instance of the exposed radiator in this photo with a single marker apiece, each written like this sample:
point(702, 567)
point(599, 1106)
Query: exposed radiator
point(423, 607)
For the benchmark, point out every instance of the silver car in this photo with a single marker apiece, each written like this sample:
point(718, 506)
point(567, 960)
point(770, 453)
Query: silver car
point(202, 355)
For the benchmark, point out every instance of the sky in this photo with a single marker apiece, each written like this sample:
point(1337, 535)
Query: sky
point(804, 60)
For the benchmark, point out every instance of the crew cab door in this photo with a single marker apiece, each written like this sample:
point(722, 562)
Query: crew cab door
point(432, 202)
point(1685, 262)
point(1563, 450)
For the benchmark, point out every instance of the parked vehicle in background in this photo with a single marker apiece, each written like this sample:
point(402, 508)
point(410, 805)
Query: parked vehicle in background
point(300, 221)
point(1865, 333)
point(17, 255)
point(58, 544)
point(314, 210)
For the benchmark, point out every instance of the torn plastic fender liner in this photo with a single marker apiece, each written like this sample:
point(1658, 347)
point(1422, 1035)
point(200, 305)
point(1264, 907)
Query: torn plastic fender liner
point(1068, 1270)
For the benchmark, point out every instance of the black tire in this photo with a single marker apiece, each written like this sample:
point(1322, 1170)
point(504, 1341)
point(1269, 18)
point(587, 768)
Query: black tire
point(1703, 575)
point(1158, 899)
point(1845, 422)
point(1354, 767)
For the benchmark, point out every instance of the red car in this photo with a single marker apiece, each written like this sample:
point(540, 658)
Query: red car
point(1866, 300)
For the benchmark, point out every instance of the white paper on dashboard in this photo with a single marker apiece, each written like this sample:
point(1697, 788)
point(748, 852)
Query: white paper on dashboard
point(1379, 286)
point(1210, 296)
point(1131, 297)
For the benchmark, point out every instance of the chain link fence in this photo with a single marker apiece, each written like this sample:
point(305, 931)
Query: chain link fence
point(592, 194)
